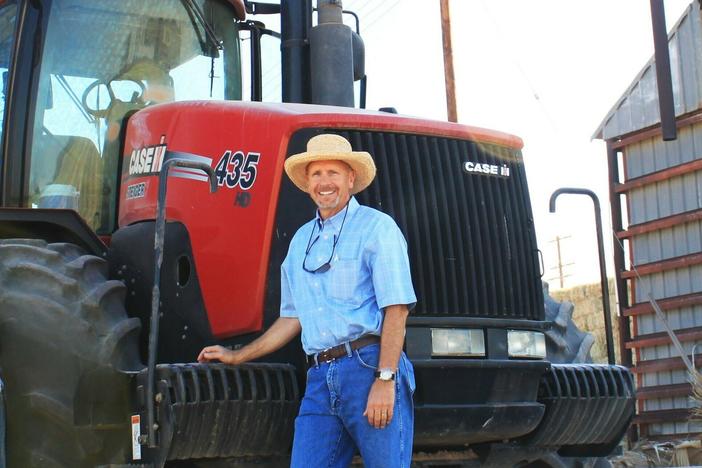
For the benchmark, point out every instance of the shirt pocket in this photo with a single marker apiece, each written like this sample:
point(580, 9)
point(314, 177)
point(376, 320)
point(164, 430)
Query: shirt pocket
point(344, 280)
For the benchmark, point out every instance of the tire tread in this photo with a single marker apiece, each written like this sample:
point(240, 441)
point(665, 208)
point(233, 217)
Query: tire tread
point(62, 323)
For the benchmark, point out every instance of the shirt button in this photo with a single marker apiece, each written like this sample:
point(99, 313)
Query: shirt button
point(320, 309)
point(325, 236)
point(320, 258)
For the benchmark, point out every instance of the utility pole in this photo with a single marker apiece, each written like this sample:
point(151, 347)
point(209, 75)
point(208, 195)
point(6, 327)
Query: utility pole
point(560, 267)
point(448, 62)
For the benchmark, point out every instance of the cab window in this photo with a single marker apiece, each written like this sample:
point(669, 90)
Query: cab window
point(103, 60)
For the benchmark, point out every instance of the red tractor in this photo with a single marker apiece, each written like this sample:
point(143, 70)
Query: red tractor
point(104, 100)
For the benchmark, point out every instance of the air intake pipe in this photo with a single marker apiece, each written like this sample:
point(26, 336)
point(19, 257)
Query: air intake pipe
point(332, 46)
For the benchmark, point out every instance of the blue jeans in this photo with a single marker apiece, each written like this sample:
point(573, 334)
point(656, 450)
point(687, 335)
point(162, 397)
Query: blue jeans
point(330, 428)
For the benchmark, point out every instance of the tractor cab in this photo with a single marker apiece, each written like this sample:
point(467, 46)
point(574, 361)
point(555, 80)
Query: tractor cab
point(94, 63)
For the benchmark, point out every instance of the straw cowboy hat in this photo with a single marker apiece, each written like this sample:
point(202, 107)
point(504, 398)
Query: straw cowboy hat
point(329, 147)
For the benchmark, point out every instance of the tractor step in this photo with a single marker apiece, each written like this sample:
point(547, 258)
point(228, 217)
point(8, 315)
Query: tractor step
point(220, 411)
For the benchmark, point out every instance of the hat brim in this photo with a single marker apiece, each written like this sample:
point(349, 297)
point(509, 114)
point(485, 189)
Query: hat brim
point(360, 161)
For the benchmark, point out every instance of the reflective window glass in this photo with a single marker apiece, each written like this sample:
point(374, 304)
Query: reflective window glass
point(103, 59)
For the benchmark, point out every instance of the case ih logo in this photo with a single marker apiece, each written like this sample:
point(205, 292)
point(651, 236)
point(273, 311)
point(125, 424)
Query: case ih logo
point(147, 160)
point(487, 169)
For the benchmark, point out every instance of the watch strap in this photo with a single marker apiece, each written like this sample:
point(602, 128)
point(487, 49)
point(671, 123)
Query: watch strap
point(379, 374)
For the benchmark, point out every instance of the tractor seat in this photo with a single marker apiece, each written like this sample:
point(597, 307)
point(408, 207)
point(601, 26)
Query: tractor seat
point(78, 181)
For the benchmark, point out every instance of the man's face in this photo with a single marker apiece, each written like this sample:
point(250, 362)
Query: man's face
point(329, 184)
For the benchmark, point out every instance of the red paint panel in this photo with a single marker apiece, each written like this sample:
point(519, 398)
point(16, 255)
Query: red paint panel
point(230, 241)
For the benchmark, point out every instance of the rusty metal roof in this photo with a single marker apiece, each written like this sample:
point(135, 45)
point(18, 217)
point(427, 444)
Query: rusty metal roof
point(638, 108)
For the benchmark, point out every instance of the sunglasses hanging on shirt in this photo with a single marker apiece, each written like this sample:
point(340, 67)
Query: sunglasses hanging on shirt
point(327, 265)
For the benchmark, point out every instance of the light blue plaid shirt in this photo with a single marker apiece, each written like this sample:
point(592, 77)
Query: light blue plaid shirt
point(369, 271)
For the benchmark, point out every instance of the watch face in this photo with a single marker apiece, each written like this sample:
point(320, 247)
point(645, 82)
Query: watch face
point(386, 374)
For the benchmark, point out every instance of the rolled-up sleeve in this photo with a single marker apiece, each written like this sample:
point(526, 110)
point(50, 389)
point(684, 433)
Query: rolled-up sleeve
point(287, 307)
point(390, 268)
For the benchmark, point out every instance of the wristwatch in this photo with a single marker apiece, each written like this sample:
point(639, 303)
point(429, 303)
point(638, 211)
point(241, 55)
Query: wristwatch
point(385, 374)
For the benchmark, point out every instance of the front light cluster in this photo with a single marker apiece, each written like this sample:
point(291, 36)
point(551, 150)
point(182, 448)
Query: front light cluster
point(526, 344)
point(457, 342)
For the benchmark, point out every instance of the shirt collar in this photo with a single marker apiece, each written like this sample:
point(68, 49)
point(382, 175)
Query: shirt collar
point(336, 220)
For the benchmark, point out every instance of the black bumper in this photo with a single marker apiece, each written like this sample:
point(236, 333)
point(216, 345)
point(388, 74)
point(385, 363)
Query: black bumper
point(462, 402)
point(442, 426)
point(576, 409)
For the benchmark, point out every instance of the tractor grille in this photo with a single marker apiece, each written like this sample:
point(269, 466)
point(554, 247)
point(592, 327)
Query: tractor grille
point(471, 237)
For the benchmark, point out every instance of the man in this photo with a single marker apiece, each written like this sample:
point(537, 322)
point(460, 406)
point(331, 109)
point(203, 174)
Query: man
point(346, 285)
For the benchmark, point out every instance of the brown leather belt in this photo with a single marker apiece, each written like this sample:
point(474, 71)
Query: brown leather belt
point(342, 350)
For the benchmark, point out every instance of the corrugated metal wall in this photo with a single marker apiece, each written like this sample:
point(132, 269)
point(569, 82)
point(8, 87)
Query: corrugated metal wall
point(661, 188)
point(653, 201)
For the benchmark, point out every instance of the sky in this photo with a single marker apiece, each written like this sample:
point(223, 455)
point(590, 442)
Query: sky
point(547, 71)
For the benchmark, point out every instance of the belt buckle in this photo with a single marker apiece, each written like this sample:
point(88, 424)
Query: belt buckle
point(328, 350)
point(318, 361)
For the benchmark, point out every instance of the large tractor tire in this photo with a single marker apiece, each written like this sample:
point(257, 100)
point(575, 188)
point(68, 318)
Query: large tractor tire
point(66, 347)
point(565, 342)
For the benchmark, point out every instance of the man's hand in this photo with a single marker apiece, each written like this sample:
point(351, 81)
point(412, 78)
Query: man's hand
point(381, 402)
point(280, 333)
point(220, 353)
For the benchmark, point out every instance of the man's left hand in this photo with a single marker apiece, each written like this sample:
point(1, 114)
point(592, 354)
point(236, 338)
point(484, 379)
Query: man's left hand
point(381, 401)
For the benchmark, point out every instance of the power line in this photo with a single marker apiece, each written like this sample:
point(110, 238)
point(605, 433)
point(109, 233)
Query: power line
point(374, 13)
point(507, 50)
point(388, 10)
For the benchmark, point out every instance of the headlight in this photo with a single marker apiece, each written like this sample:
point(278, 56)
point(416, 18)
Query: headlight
point(456, 342)
point(526, 344)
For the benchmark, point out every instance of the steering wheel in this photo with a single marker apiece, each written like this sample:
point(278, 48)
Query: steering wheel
point(103, 113)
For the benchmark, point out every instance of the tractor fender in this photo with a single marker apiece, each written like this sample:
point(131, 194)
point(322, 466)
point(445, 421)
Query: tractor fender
point(51, 225)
